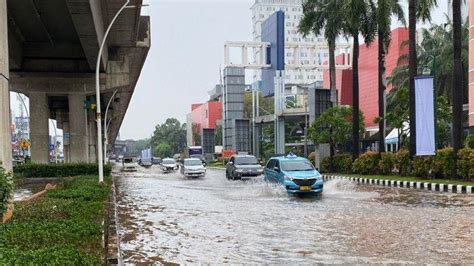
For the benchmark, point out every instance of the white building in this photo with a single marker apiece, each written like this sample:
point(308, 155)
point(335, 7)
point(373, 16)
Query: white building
point(261, 10)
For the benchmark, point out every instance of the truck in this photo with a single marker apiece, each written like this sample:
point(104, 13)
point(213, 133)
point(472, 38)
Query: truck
point(196, 152)
point(146, 158)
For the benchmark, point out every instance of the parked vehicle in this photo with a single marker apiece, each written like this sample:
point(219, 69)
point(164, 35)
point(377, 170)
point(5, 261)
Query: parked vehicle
point(119, 159)
point(129, 164)
point(193, 167)
point(243, 165)
point(297, 174)
point(169, 165)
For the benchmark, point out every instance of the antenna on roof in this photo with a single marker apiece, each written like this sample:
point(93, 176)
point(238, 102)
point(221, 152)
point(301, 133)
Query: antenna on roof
point(220, 74)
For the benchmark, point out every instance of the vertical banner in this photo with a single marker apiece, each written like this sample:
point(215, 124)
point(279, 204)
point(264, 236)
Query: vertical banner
point(425, 116)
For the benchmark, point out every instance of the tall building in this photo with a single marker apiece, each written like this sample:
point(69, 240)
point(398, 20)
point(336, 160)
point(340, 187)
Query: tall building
point(263, 9)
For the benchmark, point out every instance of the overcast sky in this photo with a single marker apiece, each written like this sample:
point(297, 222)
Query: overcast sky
point(183, 63)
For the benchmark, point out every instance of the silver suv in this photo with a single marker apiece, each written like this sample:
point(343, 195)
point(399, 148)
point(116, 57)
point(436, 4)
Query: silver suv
point(243, 165)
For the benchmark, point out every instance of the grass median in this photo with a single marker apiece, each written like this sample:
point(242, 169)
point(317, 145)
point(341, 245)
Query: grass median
point(63, 227)
point(216, 164)
point(409, 179)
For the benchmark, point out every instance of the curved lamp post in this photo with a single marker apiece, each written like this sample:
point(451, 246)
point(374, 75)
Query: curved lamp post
point(106, 126)
point(97, 94)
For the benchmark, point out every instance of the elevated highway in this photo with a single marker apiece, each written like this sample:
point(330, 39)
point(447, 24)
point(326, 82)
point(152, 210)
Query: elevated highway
point(48, 51)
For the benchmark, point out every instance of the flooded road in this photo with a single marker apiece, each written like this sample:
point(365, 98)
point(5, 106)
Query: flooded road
point(165, 218)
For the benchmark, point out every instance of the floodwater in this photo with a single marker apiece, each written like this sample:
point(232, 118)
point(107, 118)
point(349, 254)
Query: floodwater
point(165, 218)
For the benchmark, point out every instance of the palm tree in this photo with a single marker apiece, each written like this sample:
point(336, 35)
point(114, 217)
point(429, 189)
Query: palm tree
point(385, 10)
point(457, 90)
point(359, 18)
point(323, 17)
point(416, 9)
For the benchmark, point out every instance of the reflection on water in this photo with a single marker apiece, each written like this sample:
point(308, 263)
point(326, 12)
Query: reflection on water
point(167, 218)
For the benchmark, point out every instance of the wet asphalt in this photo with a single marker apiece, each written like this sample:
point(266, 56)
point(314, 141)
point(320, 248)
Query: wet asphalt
point(166, 218)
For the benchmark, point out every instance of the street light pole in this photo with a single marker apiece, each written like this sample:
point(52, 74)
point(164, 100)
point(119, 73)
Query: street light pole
point(106, 127)
point(97, 94)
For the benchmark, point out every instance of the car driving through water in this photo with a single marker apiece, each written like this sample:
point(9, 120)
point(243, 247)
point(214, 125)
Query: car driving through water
point(193, 167)
point(129, 164)
point(169, 165)
point(243, 165)
point(296, 174)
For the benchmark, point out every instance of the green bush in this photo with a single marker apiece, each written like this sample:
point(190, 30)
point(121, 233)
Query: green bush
point(325, 164)
point(367, 164)
point(443, 163)
point(466, 163)
point(386, 163)
point(470, 142)
point(59, 170)
point(343, 163)
point(422, 166)
point(6, 190)
point(402, 162)
point(61, 228)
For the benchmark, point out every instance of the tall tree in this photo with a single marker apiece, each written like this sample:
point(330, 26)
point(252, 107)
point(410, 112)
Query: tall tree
point(358, 15)
point(171, 132)
point(384, 12)
point(324, 17)
point(334, 126)
point(457, 90)
point(417, 9)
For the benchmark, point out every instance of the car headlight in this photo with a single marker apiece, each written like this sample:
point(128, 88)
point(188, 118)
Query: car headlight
point(319, 177)
point(239, 170)
point(290, 178)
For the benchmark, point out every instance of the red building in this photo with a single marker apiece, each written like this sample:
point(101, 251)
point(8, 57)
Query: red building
point(368, 75)
point(206, 114)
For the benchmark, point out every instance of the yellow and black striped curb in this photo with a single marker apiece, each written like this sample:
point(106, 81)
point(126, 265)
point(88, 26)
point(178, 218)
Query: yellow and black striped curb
point(462, 189)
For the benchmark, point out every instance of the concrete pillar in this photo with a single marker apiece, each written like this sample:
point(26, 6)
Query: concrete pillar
point(66, 137)
point(471, 68)
point(77, 129)
point(92, 129)
point(39, 127)
point(5, 133)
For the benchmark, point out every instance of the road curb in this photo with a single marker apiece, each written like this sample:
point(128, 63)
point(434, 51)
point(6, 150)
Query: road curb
point(460, 189)
point(113, 254)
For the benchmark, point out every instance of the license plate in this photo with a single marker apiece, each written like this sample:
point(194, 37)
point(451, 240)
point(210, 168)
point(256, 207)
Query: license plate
point(304, 188)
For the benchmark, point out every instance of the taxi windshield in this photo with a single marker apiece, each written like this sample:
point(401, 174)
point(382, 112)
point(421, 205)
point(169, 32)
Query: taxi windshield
point(296, 166)
point(168, 161)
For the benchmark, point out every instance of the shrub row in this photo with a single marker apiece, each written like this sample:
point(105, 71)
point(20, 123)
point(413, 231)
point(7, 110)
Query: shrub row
point(6, 190)
point(59, 170)
point(61, 228)
point(439, 166)
point(342, 163)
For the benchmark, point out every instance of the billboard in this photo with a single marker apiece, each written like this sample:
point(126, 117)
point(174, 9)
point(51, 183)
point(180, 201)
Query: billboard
point(273, 31)
point(425, 116)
